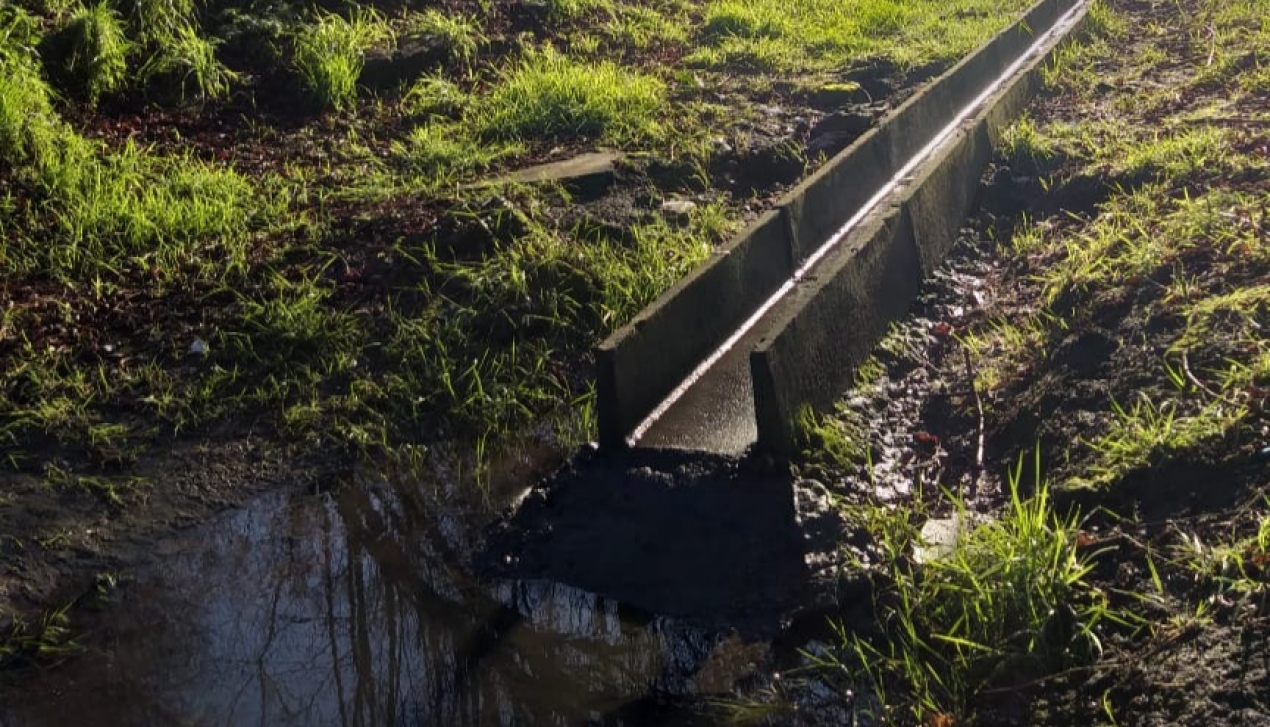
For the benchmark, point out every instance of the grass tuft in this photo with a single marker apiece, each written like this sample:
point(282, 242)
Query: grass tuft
point(156, 21)
point(548, 95)
point(188, 61)
point(1149, 435)
point(460, 35)
point(89, 55)
point(784, 35)
point(329, 55)
point(1010, 602)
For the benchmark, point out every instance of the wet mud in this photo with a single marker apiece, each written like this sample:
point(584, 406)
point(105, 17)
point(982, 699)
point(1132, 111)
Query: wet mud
point(710, 539)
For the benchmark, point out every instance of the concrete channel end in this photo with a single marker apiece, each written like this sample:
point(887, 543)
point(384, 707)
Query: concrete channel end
point(641, 363)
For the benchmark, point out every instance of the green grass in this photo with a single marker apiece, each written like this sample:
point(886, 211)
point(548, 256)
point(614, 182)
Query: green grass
point(838, 442)
point(99, 213)
point(439, 155)
point(485, 353)
point(1236, 564)
point(572, 10)
point(1010, 602)
point(1001, 349)
point(250, 259)
point(547, 95)
point(187, 61)
point(38, 640)
point(1149, 434)
point(544, 96)
point(438, 96)
point(805, 35)
point(635, 27)
point(461, 35)
point(96, 221)
point(1175, 206)
point(1024, 147)
point(89, 55)
point(157, 21)
point(1162, 244)
point(329, 55)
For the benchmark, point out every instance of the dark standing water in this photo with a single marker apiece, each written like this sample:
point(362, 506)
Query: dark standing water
point(351, 609)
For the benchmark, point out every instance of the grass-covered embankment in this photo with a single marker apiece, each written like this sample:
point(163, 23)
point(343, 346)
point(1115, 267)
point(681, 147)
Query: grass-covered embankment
point(1117, 329)
point(226, 224)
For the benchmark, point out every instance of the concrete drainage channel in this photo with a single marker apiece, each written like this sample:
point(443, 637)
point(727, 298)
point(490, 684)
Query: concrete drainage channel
point(779, 318)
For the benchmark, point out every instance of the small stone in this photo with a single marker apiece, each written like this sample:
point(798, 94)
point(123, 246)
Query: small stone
point(837, 95)
point(199, 347)
point(587, 175)
point(843, 123)
point(678, 209)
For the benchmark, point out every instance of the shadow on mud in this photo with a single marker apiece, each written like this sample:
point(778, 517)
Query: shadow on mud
point(709, 539)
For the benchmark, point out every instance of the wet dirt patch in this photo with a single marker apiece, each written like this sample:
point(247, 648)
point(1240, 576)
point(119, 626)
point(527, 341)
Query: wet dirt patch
point(708, 539)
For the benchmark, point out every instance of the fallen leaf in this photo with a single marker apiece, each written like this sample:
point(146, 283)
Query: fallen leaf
point(926, 438)
point(940, 719)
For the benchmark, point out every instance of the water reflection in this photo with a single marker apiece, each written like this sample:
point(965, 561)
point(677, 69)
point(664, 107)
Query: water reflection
point(351, 610)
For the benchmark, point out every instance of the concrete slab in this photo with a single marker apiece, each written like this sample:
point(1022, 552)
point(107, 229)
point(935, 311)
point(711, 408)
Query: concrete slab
point(590, 174)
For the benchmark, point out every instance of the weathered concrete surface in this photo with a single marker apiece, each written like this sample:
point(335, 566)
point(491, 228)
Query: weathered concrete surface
point(716, 415)
point(818, 206)
point(829, 325)
point(589, 174)
point(835, 318)
point(640, 364)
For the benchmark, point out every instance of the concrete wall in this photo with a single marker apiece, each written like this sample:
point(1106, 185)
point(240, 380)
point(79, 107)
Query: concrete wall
point(819, 206)
point(832, 321)
point(830, 324)
point(639, 365)
point(642, 362)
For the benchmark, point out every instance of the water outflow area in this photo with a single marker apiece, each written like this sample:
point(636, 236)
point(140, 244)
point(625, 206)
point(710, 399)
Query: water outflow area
point(352, 608)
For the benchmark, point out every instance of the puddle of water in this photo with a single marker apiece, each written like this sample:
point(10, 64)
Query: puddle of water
point(350, 609)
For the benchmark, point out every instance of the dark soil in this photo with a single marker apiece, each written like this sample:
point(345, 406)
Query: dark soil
point(709, 539)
